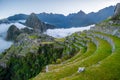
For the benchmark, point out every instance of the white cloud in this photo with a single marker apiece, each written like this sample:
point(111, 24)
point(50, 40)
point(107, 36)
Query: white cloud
point(4, 44)
point(4, 27)
point(60, 33)
point(3, 31)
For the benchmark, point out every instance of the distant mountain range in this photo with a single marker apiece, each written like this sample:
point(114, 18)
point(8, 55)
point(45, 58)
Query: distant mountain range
point(71, 20)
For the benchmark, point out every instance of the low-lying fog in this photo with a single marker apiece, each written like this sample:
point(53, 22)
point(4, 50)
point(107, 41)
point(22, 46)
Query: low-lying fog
point(60, 33)
point(3, 31)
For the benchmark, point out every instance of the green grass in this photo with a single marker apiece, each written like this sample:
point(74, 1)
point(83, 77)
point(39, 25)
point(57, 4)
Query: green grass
point(108, 69)
point(81, 52)
point(102, 52)
point(47, 42)
point(100, 63)
point(116, 25)
point(78, 57)
point(60, 39)
point(33, 37)
point(107, 20)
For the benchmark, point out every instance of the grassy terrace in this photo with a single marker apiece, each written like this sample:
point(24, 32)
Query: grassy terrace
point(60, 39)
point(47, 42)
point(88, 60)
point(91, 49)
point(79, 56)
point(108, 69)
point(81, 50)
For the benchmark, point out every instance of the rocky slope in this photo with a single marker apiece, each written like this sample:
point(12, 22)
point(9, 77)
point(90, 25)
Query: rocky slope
point(117, 12)
point(37, 25)
point(12, 32)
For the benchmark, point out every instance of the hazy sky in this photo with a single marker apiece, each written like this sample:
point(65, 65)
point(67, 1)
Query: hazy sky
point(11, 7)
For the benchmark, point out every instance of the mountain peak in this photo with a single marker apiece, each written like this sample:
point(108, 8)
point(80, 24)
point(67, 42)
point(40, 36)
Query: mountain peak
point(33, 14)
point(81, 12)
point(34, 22)
point(117, 12)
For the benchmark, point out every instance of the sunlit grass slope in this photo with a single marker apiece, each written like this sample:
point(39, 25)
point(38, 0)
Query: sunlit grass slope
point(100, 62)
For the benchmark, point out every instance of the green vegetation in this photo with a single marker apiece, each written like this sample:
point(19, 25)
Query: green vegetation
point(97, 60)
point(47, 42)
point(107, 20)
point(117, 25)
point(33, 36)
point(29, 62)
point(108, 69)
point(91, 49)
point(81, 54)
point(67, 70)
point(60, 39)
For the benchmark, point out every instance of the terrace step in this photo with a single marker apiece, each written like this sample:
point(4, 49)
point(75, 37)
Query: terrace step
point(101, 53)
point(108, 69)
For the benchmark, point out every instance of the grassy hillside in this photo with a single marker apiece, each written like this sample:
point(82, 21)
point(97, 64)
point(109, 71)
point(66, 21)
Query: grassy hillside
point(99, 53)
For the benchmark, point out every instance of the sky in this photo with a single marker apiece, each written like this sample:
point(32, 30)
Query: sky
point(11, 7)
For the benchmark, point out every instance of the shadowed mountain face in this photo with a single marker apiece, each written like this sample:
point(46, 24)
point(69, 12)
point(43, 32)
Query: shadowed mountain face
point(71, 20)
point(12, 32)
point(34, 22)
point(117, 11)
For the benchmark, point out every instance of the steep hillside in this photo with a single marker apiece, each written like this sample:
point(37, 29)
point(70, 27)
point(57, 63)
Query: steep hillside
point(38, 26)
point(28, 55)
point(100, 57)
point(96, 57)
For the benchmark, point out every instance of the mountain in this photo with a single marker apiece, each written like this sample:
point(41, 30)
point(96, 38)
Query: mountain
point(18, 17)
point(77, 19)
point(58, 20)
point(12, 32)
point(34, 22)
point(71, 20)
point(117, 11)
point(102, 14)
point(32, 25)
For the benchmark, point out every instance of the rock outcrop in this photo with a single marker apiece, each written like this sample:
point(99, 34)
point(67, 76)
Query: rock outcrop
point(27, 30)
point(37, 25)
point(117, 12)
point(12, 33)
point(111, 25)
